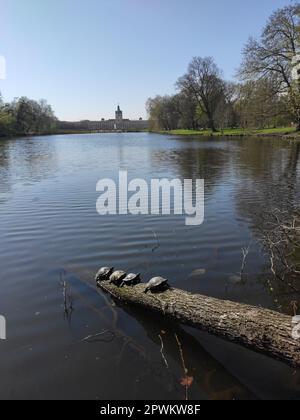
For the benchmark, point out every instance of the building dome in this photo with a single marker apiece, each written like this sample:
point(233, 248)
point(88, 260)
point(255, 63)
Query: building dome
point(119, 114)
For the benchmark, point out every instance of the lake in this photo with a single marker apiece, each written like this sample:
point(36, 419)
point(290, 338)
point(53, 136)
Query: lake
point(65, 340)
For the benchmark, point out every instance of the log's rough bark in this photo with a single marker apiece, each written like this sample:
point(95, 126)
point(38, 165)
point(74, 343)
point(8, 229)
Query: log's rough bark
point(259, 329)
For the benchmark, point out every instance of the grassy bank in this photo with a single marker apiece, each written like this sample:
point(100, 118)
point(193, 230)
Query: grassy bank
point(284, 131)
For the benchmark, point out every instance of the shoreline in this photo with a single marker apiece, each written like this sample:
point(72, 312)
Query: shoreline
point(284, 133)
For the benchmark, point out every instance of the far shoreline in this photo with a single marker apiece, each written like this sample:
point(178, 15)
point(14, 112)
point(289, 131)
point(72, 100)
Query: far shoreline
point(288, 133)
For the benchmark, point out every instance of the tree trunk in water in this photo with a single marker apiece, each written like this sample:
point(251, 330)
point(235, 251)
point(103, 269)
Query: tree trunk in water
point(259, 329)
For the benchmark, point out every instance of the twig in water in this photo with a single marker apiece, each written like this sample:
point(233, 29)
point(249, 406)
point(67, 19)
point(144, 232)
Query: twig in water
point(294, 305)
point(157, 241)
point(162, 351)
point(187, 380)
point(280, 238)
point(245, 252)
point(127, 340)
point(116, 333)
point(110, 307)
point(91, 337)
point(67, 299)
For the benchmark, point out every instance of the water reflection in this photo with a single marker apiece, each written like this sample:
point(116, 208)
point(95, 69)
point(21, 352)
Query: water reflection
point(268, 173)
point(211, 379)
point(4, 169)
point(191, 162)
point(25, 161)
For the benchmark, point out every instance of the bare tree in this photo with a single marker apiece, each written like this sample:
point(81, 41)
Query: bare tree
point(273, 55)
point(203, 81)
point(260, 106)
point(226, 113)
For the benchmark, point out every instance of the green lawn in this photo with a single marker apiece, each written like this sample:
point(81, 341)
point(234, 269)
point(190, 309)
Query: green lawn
point(232, 132)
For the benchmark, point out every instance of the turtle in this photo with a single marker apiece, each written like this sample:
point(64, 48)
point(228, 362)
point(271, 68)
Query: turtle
point(131, 280)
point(157, 284)
point(116, 277)
point(104, 273)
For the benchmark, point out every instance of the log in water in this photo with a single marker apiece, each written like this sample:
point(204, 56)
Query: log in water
point(259, 329)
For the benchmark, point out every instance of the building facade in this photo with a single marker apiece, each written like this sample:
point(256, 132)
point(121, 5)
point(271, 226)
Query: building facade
point(118, 124)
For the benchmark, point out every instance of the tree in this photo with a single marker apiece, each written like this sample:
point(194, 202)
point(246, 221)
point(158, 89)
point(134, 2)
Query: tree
point(226, 113)
point(6, 119)
point(204, 83)
point(163, 113)
point(273, 55)
point(187, 109)
point(260, 106)
point(26, 116)
point(46, 120)
point(33, 117)
point(7, 122)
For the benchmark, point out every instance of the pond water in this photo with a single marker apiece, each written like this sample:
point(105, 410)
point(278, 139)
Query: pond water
point(53, 241)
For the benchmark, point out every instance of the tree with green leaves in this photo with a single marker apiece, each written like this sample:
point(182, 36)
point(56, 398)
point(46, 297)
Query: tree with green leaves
point(26, 116)
point(7, 121)
point(163, 113)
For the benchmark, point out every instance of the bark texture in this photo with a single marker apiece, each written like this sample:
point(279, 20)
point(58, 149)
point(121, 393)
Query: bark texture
point(259, 329)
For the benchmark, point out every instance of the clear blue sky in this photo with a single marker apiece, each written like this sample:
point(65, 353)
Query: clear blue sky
point(86, 56)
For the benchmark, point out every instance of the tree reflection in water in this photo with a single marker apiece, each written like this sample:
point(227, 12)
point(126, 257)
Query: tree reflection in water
point(268, 197)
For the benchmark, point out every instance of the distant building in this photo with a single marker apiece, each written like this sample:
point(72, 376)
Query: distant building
point(118, 124)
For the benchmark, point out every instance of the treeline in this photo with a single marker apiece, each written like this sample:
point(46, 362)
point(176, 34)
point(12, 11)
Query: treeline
point(266, 94)
point(25, 116)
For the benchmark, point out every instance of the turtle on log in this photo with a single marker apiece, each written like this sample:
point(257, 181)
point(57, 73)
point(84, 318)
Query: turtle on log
point(131, 280)
point(156, 285)
point(117, 277)
point(104, 273)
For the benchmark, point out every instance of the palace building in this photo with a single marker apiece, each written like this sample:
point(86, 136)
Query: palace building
point(118, 123)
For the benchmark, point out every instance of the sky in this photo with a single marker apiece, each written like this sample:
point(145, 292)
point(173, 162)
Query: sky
point(87, 56)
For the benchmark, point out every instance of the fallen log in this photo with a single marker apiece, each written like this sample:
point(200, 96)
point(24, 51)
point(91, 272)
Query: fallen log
point(259, 329)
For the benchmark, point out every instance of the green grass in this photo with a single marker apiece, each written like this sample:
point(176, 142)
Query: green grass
point(233, 132)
